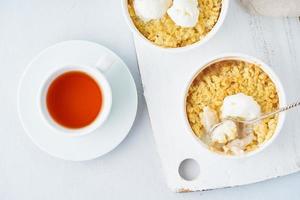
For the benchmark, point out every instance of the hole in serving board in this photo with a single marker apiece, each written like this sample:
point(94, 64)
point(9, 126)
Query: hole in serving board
point(189, 169)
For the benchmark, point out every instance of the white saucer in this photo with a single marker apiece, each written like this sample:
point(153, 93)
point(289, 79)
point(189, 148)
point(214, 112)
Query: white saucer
point(101, 141)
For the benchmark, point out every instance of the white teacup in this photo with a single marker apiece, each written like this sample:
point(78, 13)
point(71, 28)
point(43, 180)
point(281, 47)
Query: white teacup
point(97, 73)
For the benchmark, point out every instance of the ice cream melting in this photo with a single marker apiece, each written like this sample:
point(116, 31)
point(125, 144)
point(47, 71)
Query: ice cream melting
point(226, 134)
point(184, 13)
point(151, 9)
point(208, 118)
point(241, 106)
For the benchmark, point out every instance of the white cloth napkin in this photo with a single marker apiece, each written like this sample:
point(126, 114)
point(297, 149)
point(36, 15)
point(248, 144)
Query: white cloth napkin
point(273, 7)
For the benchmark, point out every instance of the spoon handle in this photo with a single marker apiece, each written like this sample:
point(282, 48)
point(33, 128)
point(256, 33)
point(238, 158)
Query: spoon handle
point(288, 107)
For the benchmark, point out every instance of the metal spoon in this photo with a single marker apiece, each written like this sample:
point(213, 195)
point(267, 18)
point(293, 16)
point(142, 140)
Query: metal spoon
point(243, 124)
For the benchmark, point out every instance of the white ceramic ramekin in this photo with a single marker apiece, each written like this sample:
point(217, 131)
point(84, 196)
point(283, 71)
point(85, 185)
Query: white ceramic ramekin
point(135, 31)
point(268, 71)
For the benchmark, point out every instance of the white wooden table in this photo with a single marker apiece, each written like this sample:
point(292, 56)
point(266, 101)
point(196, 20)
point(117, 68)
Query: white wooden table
point(133, 170)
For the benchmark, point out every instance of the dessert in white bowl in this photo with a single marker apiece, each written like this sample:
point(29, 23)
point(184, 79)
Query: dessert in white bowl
point(233, 88)
point(184, 22)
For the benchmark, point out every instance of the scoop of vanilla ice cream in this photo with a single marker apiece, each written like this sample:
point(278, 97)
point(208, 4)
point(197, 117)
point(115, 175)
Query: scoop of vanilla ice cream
point(240, 105)
point(151, 9)
point(184, 13)
point(225, 132)
point(208, 118)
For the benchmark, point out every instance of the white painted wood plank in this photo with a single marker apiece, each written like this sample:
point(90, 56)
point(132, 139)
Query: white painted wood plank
point(164, 75)
point(273, 7)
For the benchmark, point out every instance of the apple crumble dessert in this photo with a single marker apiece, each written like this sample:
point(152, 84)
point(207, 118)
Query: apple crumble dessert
point(232, 88)
point(174, 23)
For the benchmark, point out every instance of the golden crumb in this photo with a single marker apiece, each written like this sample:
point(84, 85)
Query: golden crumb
point(164, 32)
point(226, 78)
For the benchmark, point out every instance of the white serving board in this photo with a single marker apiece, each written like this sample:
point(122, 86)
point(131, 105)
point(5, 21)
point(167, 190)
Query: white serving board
point(276, 41)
